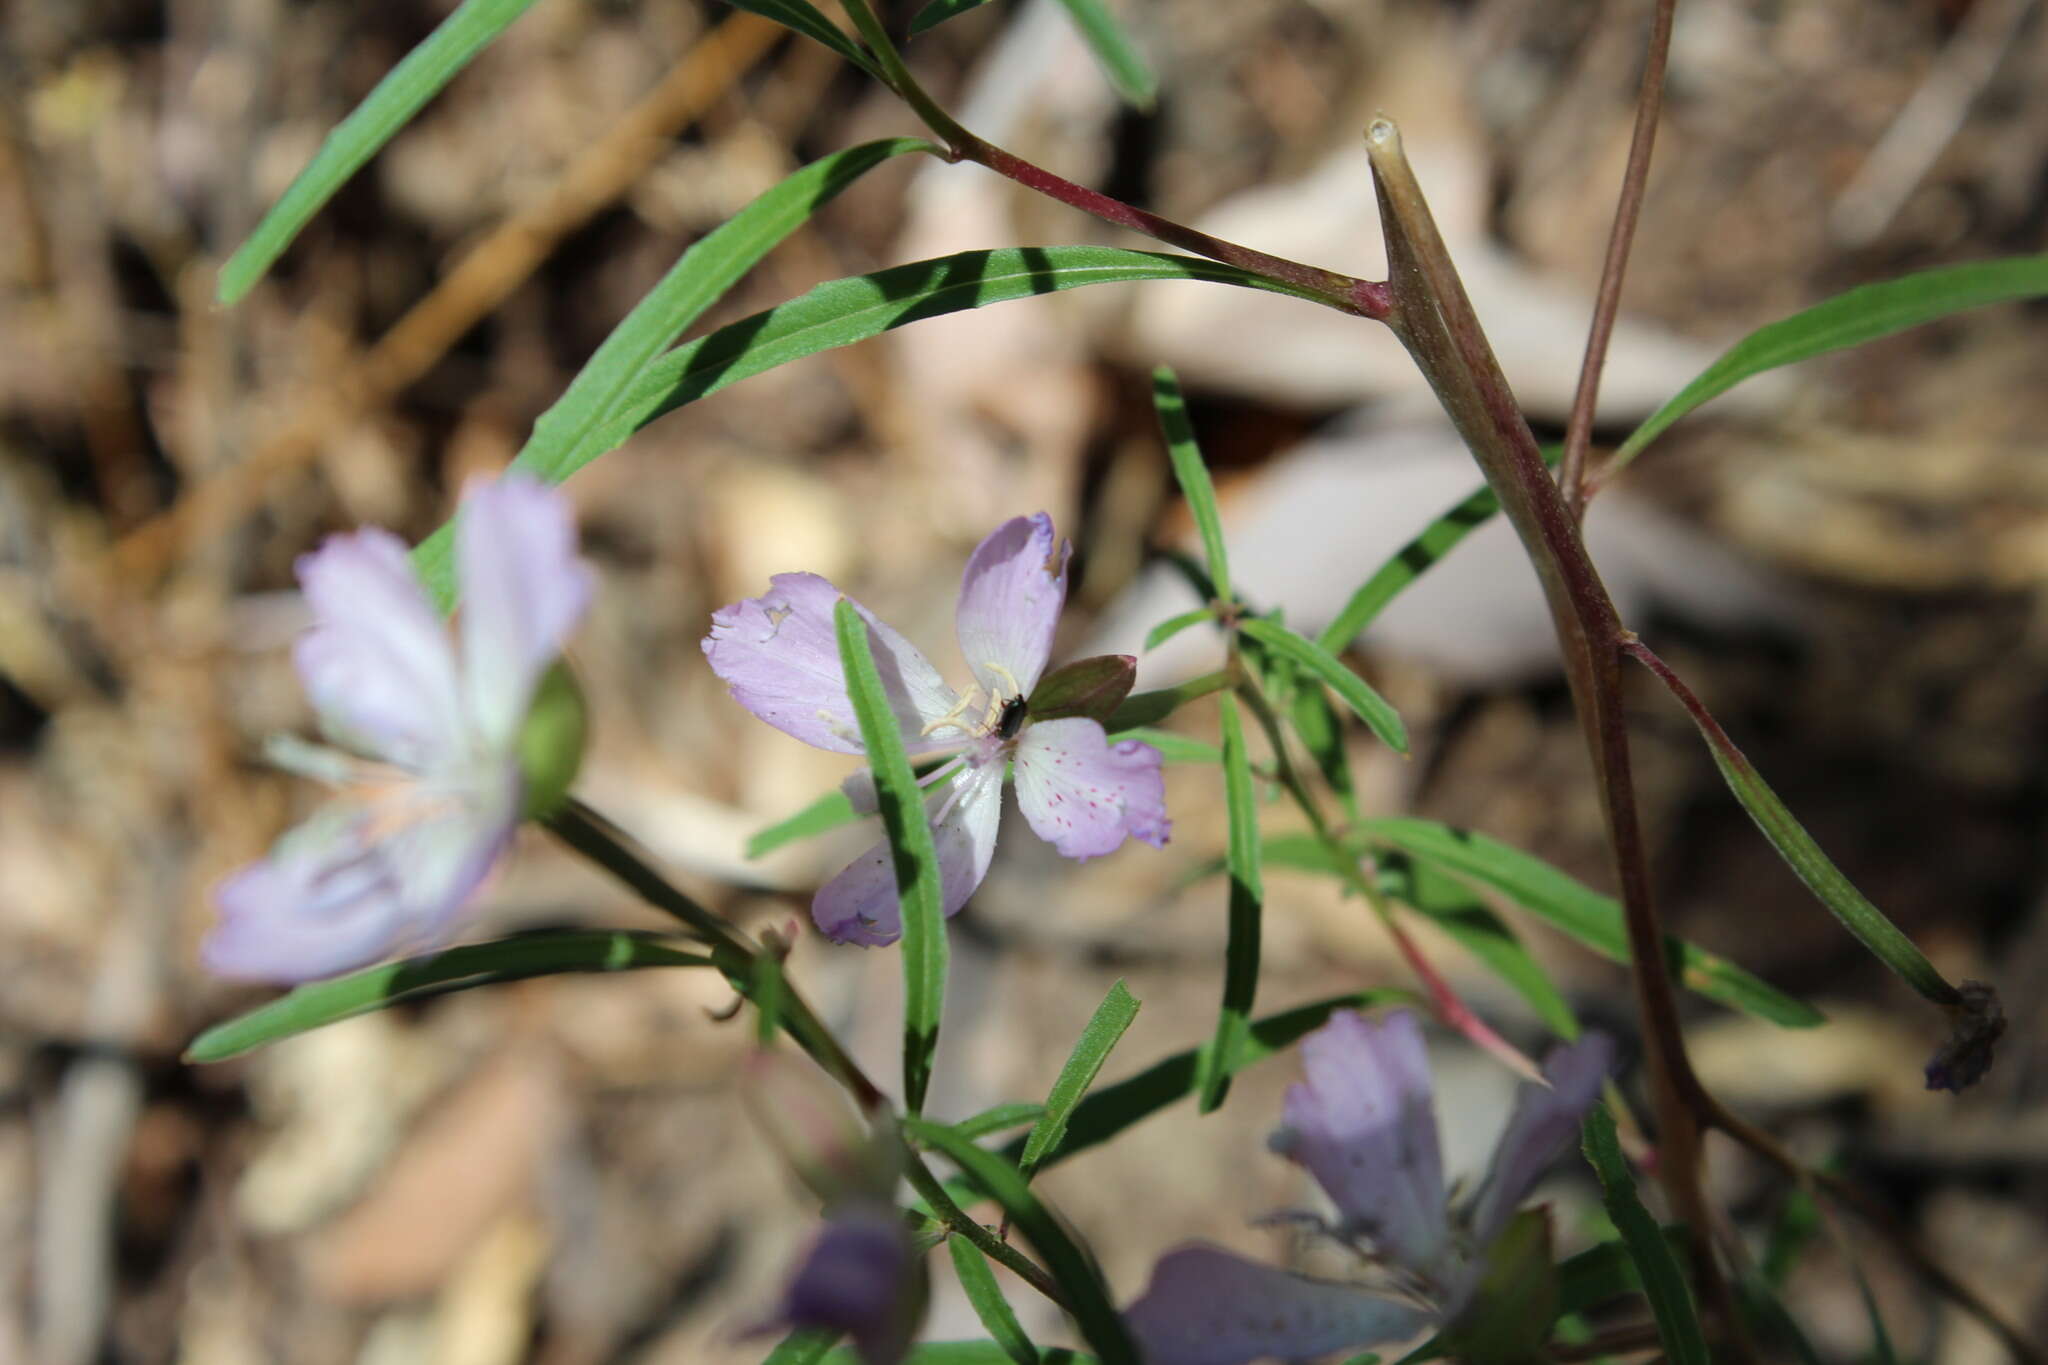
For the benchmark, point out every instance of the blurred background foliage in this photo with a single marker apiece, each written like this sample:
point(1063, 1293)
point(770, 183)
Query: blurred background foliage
point(1849, 562)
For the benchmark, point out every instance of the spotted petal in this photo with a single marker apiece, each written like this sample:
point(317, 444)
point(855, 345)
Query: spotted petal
point(1544, 1123)
point(523, 590)
point(861, 904)
point(779, 654)
point(1010, 599)
point(344, 890)
point(1208, 1307)
point(377, 664)
point(1363, 1125)
point(1082, 794)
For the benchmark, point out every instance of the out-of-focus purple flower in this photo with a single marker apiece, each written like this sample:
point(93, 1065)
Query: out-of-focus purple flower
point(862, 1277)
point(1363, 1124)
point(436, 760)
point(779, 655)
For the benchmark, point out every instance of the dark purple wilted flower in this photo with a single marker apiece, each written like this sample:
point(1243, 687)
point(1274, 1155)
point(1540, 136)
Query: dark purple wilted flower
point(437, 760)
point(779, 655)
point(1364, 1125)
point(862, 1277)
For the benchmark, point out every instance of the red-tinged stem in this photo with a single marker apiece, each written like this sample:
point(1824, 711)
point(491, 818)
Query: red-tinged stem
point(1571, 474)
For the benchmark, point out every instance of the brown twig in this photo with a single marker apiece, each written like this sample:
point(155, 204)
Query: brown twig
point(481, 281)
point(1571, 474)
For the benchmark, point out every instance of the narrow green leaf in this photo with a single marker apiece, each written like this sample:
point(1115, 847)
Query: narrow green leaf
point(1087, 1296)
point(1371, 707)
point(1321, 732)
point(420, 978)
point(996, 1118)
point(1834, 890)
point(1848, 319)
point(1582, 913)
point(1192, 473)
point(1174, 625)
point(1247, 907)
point(1678, 1323)
point(1113, 48)
point(357, 138)
point(801, 1347)
point(911, 850)
point(1084, 1063)
point(1594, 1276)
point(838, 313)
point(1113, 1108)
point(1149, 708)
point(1172, 747)
point(829, 811)
point(563, 437)
point(979, 1283)
point(1409, 563)
point(806, 19)
point(938, 12)
point(1459, 912)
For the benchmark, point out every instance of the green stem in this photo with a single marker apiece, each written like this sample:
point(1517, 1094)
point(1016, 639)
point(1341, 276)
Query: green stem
point(933, 1191)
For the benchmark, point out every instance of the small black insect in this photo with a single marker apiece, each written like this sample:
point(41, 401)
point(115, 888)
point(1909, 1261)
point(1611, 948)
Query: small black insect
point(1011, 720)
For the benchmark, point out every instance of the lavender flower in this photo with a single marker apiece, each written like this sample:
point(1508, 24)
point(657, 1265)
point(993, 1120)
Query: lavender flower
point(1364, 1125)
point(442, 746)
point(779, 655)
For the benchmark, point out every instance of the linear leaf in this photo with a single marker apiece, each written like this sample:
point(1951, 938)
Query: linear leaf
point(1087, 1296)
point(986, 1296)
point(996, 1118)
point(911, 850)
point(1678, 1323)
point(938, 12)
point(1372, 708)
point(839, 313)
point(1113, 48)
point(1113, 1108)
point(1414, 559)
point(801, 1347)
point(829, 811)
point(1317, 725)
point(419, 978)
point(1583, 913)
point(806, 19)
point(400, 95)
point(1174, 625)
point(1190, 471)
point(1848, 319)
point(1084, 1063)
point(1247, 906)
point(1454, 908)
point(1805, 857)
point(563, 436)
point(1149, 708)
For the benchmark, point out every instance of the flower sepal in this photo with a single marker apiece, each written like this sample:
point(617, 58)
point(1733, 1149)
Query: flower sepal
point(1090, 688)
point(551, 742)
point(1508, 1317)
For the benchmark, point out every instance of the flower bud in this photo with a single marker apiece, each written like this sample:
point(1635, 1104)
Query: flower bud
point(551, 741)
point(809, 1120)
point(1091, 688)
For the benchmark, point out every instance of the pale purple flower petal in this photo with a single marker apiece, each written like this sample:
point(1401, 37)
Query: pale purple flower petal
point(1010, 599)
point(1208, 1307)
point(1083, 794)
point(523, 591)
point(377, 664)
point(779, 655)
point(1363, 1125)
point(861, 904)
point(1544, 1123)
point(858, 1277)
point(345, 889)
